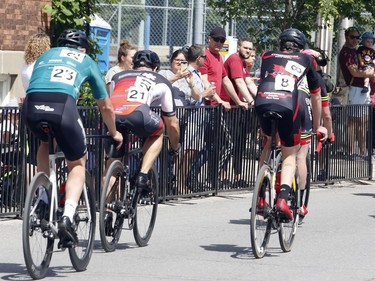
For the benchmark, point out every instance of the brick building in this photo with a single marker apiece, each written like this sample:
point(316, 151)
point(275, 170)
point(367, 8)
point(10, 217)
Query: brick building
point(18, 21)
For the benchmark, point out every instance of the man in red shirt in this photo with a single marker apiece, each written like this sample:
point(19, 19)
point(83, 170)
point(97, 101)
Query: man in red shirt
point(238, 73)
point(214, 73)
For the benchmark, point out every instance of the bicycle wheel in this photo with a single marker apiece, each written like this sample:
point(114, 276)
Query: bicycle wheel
point(110, 218)
point(146, 209)
point(85, 223)
point(37, 237)
point(260, 220)
point(288, 229)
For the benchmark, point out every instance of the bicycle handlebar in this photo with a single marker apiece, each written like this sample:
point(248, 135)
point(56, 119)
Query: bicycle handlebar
point(111, 146)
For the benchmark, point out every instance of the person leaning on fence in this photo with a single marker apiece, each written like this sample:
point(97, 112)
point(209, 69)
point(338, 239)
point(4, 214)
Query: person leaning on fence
point(195, 119)
point(52, 97)
point(355, 81)
point(35, 46)
point(133, 111)
point(281, 72)
point(215, 75)
point(125, 55)
point(245, 88)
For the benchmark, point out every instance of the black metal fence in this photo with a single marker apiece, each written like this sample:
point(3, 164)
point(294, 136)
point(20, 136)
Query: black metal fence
point(219, 153)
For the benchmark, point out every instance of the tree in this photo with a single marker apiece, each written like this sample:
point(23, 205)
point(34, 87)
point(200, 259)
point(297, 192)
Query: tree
point(276, 15)
point(74, 14)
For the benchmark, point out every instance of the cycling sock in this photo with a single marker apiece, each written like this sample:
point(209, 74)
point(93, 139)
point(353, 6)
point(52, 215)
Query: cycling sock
point(284, 191)
point(70, 209)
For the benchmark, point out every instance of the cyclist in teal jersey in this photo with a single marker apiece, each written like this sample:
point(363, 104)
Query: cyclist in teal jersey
point(51, 96)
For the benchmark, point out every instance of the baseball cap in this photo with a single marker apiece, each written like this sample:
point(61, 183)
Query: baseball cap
point(218, 32)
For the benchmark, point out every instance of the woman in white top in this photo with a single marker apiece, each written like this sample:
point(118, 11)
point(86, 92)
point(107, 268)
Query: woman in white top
point(125, 61)
point(35, 46)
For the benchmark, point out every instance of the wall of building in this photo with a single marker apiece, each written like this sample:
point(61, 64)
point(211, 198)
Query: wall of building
point(18, 21)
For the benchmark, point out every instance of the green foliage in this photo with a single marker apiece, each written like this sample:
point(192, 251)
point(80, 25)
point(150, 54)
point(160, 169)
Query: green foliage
point(75, 14)
point(276, 15)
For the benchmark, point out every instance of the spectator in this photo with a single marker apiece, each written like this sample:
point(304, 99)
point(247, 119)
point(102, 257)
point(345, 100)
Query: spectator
point(250, 61)
point(366, 56)
point(177, 74)
point(236, 68)
point(214, 73)
point(196, 120)
point(124, 61)
point(355, 80)
point(35, 46)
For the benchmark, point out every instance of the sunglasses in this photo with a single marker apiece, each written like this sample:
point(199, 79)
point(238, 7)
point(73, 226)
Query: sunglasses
point(203, 57)
point(221, 40)
point(354, 37)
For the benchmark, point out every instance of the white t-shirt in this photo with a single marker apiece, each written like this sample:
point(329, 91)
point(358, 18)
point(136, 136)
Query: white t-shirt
point(181, 89)
point(112, 71)
point(27, 70)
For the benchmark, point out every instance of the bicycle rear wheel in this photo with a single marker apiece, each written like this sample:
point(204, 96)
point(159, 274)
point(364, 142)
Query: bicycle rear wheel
point(85, 222)
point(260, 220)
point(146, 210)
point(37, 238)
point(288, 229)
point(110, 218)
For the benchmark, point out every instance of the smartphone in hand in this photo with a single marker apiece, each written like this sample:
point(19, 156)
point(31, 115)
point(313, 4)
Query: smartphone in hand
point(183, 65)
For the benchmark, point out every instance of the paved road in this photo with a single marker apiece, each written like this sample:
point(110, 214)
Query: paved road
point(208, 239)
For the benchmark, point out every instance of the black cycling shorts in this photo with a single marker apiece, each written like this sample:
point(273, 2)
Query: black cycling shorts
point(143, 122)
point(289, 126)
point(60, 111)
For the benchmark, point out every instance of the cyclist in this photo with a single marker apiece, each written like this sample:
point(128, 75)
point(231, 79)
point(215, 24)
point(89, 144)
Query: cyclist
point(306, 122)
point(51, 96)
point(281, 72)
point(132, 94)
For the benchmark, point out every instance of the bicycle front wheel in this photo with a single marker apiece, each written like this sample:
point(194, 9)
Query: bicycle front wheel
point(37, 237)
point(111, 200)
point(288, 229)
point(146, 209)
point(260, 220)
point(85, 222)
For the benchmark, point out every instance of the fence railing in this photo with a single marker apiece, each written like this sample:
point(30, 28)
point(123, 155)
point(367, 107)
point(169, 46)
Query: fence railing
point(219, 153)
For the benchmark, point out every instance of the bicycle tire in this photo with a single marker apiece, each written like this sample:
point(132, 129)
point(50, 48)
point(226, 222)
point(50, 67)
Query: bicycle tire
point(288, 229)
point(146, 211)
point(260, 223)
point(85, 225)
point(114, 182)
point(37, 244)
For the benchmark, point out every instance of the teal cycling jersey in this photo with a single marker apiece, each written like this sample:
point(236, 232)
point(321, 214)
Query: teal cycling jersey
point(64, 70)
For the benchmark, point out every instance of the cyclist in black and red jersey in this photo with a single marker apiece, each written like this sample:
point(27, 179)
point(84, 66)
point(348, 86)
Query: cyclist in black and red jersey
point(281, 72)
point(132, 93)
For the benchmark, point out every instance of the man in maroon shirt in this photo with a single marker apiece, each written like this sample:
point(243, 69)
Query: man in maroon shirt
point(213, 71)
point(354, 79)
point(238, 74)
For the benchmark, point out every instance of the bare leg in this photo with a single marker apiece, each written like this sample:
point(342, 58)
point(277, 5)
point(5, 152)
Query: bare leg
point(301, 164)
point(42, 158)
point(289, 164)
point(151, 149)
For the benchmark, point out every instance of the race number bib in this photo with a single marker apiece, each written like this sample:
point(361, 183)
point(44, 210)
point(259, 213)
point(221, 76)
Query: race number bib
point(140, 92)
point(284, 83)
point(295, 68)
point(77, 56)
point(63, 74)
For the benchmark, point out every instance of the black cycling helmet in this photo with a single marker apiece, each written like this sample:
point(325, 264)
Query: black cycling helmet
point(73, 38)
point(293, 35)
point(146, 58)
